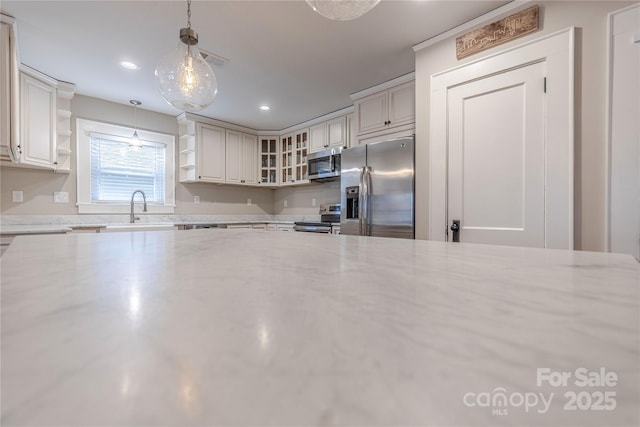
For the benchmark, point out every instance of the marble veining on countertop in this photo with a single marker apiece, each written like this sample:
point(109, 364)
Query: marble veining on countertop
point(235, 327)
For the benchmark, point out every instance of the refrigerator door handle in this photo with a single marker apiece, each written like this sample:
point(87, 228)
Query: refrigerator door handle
point(367, 186)
point(361, 201)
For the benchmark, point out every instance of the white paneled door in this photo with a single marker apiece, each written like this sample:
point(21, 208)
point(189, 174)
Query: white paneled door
point(501, 146)
point(624, 131)
point(496, 167)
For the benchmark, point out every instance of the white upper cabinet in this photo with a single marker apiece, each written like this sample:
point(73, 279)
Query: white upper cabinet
point(210, 153)
point(37, 122)
point(351, 131)
point(229, 154)
point(402, 105)
point(328, 134)
point(8, 90)
point(293, 152)
point(385, 109)
point(36, 130)
point(241, 158)
point(337, 132)
point(35, 111)
point(233, 155)
point(372, 113)
point(317, 137)
point(268, 168)
point(250, 156)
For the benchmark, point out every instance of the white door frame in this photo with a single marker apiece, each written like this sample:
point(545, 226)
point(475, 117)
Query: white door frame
point(557, 50)
point(627, 222)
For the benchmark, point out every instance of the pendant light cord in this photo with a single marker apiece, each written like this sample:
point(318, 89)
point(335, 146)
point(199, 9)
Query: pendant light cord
point(189, 25)
point(189, 14)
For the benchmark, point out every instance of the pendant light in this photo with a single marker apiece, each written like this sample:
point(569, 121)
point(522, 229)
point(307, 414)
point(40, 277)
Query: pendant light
point(342, 10)
point(135, 141)
point(184, 78)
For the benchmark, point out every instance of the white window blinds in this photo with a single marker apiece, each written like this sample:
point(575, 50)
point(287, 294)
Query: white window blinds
point(117, 170)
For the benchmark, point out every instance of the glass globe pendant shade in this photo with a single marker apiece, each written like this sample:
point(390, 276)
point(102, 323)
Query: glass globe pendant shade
point(184, 78)
point(135, 142)
point(342, 10)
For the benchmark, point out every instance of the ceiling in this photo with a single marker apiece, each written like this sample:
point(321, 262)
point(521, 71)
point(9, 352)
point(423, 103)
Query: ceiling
point(280, 53)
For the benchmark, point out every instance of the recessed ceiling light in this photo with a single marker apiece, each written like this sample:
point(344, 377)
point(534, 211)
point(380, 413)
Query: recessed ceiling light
point(129, 65)
point(265, 108)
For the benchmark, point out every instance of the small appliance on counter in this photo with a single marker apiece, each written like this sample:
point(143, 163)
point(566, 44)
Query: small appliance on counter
point(329, 214)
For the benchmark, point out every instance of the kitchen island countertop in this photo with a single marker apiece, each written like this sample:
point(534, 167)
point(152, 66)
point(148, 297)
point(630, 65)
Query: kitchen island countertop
point(237, 327)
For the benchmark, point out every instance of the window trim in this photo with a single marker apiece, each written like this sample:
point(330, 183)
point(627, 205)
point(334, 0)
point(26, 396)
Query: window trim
point(84, 129)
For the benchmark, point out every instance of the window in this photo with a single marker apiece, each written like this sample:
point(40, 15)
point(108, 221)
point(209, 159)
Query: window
point(117, 170)
point(109, 170)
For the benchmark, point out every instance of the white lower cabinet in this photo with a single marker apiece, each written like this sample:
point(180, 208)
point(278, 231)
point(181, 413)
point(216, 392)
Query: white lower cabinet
point(260, 226)
point(280, 227)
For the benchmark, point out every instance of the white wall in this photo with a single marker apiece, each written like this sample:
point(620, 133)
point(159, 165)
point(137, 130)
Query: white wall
point(300, 199)
point(38, 186)
point(590, 18)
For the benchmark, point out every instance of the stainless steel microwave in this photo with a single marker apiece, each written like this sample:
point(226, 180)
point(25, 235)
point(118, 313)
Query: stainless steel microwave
point(324, 165)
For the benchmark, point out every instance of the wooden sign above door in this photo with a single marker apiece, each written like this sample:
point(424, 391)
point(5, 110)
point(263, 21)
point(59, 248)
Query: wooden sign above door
point(507, 29)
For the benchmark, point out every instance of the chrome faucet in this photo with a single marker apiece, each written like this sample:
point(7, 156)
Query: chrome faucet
point(132, 218)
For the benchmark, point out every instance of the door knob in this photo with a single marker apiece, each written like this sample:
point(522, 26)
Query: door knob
point(455, 228)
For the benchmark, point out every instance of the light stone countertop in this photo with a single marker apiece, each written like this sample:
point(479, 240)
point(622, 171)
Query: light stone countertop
point(21, 229)
point(41, 224)
point(34, 229)
point(239, 327)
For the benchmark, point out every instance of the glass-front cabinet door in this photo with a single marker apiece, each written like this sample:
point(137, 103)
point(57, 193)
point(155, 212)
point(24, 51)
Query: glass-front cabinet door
point(293, 157)
point(268, 161)
point(286, 159)
point(302, 147)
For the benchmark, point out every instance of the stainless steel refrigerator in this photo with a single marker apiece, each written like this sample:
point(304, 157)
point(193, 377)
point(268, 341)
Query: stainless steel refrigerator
point(377, 189)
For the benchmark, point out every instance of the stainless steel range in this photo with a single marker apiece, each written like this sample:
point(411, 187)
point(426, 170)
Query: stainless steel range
point(329, 214)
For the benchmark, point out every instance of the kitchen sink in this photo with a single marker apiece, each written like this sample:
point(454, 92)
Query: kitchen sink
point(139, 227)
